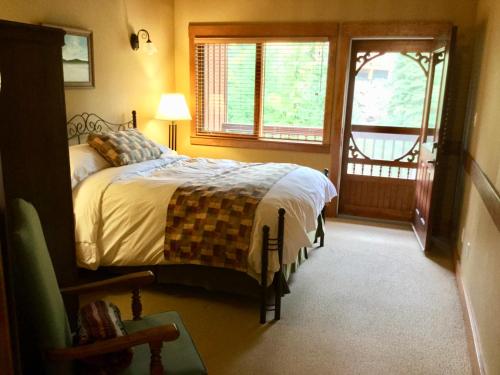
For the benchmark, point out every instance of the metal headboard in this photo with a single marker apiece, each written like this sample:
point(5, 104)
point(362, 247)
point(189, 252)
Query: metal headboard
point(85, 123)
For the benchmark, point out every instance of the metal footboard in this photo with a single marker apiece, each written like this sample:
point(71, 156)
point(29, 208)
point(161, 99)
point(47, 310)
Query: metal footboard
point(276, 244)
point(272, 244)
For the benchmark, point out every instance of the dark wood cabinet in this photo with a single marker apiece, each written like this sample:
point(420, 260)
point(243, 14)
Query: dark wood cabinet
point(33, 134)
point(8, 338)
point(33, 144)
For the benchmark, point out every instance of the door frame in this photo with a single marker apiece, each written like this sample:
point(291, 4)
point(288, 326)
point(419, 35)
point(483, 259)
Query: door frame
point(375, 188)
point(350, 31)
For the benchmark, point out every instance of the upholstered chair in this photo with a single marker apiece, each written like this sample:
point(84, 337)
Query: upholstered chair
point(161, 344)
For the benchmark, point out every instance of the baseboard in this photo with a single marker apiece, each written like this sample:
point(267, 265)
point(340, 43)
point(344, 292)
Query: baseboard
point(471, 329)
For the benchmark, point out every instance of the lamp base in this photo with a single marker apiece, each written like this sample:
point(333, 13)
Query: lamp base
point(172, 136)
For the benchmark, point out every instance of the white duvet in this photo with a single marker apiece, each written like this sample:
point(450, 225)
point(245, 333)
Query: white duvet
point(120, 213)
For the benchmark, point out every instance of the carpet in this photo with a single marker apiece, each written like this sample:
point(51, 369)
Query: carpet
point(369, 302)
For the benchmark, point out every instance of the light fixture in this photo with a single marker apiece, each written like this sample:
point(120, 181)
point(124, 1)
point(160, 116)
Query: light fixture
point(172, 107)
point(134, 42)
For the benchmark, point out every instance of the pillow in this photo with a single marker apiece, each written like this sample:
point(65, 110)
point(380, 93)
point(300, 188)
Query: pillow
point(84, 161)
point(165, 150)
point(124, 147)
point(98, 321)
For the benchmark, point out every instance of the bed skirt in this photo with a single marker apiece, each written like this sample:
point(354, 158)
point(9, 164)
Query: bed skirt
point(209, 278)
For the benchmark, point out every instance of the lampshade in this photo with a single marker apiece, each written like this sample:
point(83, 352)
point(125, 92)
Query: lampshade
point(173, 107)
point(150, 48)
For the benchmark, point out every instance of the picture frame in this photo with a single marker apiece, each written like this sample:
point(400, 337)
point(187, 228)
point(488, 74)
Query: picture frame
point(78, 57)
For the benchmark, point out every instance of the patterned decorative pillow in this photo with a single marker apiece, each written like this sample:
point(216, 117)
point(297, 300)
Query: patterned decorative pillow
point(98, 321)
point(124, 147)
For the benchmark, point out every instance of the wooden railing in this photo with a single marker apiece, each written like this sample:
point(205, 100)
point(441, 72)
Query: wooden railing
point(314, 134)
point(383, 151)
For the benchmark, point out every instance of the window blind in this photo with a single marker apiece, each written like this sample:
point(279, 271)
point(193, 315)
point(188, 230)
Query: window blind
point(225, 88)
point(261, 89)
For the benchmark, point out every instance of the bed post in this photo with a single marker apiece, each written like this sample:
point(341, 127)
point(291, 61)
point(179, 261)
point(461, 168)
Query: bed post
point(263, 274)
point(320, 232)
point(279, 277)
point(279, 282)
point(134, 119)
point(326, 172)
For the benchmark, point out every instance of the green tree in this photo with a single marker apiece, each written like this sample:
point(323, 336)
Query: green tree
point(294, 83)
point(408, 83)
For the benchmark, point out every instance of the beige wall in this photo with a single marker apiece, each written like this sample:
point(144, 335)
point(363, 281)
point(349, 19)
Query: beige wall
point(130, 80)
point(479, 247)
point(124, 79)
point(460, 12)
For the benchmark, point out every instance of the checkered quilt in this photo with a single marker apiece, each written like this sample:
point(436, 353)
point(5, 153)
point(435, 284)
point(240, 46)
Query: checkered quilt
point(210, 219)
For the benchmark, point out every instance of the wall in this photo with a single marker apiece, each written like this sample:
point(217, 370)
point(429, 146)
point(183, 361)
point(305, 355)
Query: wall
point(460, 12)
point(124, 79)
point(480, 262)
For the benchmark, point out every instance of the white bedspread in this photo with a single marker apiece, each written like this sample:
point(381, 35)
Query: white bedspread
point(120, 213)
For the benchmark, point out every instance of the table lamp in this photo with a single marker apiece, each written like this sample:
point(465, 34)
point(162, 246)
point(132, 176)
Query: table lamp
point(172, 107)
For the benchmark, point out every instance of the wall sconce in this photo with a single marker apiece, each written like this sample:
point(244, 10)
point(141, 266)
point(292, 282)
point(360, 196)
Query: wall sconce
point(172, 107)
point(134, 42)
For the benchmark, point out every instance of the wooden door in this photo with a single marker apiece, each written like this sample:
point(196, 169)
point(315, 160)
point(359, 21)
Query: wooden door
point(386, 99)
point(429, 154)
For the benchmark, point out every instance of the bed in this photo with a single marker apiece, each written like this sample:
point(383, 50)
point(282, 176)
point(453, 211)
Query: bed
point(120, 217)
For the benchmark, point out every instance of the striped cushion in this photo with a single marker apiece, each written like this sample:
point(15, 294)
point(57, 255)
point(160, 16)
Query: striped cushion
point(124, 147)
point(99, 321)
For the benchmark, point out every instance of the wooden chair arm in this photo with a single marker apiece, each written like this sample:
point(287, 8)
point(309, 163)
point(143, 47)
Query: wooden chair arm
point(155, 335)
point(132, 281)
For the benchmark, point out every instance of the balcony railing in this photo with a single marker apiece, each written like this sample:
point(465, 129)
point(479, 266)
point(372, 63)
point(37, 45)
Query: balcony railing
point(383, 151)
point(374, 150)
point(281, 132)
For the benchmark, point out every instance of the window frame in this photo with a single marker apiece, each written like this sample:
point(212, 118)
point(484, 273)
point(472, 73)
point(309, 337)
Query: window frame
point(289, 31)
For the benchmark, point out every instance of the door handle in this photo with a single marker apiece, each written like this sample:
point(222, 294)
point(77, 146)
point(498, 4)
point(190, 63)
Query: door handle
point(431, 162)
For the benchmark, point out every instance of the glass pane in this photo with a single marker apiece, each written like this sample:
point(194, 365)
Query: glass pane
point(225, 86)
point(436, 93)
point(383, 146)
point(241, 84)
point(295, 76)
point(390, 91)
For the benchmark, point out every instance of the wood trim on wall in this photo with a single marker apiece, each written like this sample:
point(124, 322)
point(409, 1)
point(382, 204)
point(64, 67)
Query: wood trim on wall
point(350, 31)
point(471, 329)
point(491, 199)
point(485, 187)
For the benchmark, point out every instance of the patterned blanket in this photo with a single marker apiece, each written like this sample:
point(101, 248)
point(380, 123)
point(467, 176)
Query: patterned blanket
point(210, 219)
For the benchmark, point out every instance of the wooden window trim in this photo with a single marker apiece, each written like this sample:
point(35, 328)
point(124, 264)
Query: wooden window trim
point(266, 144)
point(262, 31)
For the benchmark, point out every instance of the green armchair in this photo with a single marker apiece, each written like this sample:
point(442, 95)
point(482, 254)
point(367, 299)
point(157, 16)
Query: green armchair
point(161, 342)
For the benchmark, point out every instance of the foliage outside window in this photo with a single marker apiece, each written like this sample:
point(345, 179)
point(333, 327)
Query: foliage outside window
point(389, 91)
point(273, 88)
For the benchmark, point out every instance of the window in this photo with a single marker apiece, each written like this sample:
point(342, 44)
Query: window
point(263, 85)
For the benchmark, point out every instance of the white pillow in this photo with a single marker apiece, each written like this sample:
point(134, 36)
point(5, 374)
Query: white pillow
point(165, 150)
point(84, 161)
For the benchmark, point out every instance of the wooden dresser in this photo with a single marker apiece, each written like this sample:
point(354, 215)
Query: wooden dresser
point(33, 145)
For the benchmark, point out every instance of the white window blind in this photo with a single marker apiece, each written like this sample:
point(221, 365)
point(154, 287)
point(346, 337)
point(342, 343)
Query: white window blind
point(262, 89)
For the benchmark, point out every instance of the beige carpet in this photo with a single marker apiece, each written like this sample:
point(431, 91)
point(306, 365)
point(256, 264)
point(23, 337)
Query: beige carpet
point(369, 302)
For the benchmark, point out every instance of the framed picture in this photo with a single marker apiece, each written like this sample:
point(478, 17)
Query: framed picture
point(78, 64)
